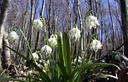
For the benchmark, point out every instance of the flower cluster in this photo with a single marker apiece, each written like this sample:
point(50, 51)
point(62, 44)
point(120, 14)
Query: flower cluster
point(74, 34)
point(95, 45)
point(92, 22)
point(37, 24)
point(13, 36)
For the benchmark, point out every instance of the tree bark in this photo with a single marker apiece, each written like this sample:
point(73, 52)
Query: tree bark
point(4, 51)
point(123, 77)
point(124, 25)
point(112, 26)
point(3, 6)
point(6, 62)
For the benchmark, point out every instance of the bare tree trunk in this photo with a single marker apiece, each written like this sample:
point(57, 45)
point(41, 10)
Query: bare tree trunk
point(6, 62)
point(48, 17)
point(3, 6)
point(122, 74)
point(90, 5)
point(53, 17)
point(30, 26)
point(75, 11)
point(42, 8)
point(112, 24)
point(6, 57)
point(69, 15)
point(124, 26)
point(30, 30)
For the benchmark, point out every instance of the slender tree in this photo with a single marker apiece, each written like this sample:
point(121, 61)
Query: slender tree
point(112, 28)
point(4, 51)
point(122, 73)
point(124, 25)
point(3, 6)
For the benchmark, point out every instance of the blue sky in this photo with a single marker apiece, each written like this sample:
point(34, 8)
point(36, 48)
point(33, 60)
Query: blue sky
point(38, 8)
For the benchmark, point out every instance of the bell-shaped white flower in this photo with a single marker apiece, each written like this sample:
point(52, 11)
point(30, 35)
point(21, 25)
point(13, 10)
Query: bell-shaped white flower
point(46, 50)
point(35, 56)
point(79, 60)
point(74, 34)
point(92, 22)
point(37, 24)
point(53, 40)
point(53, 36)
point(95, 45)
point(13, 36)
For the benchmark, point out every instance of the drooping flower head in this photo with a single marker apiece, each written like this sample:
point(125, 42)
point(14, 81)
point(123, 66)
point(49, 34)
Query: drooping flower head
point(53, 36)
point(74, 34)
point(35, 56)
point(13, 36)
point(95, 45)
point(37, 24)
point(46, 50)
point(53, 40)
point(79, 60)
point(92, 22)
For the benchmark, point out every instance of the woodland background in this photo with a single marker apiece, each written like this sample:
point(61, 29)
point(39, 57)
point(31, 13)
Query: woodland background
point(62, 15)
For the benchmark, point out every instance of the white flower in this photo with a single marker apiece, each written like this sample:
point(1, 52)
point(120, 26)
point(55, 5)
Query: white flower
point(74, 34)
point(91, 22)
point(13, 36)
point(46, 63)
point(37, 24)
point(38, 64)
point(95, 45)
point(21, 72)
point(79, 60)
point(35, 56)
point(46, 66)
point(53, 40)
point(46, 50)
point(29, 72)
point(53, 36)
point(44, 70)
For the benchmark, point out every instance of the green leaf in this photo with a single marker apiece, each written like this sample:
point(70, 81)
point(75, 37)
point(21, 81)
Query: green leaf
point(59, 48)
point(87, 66)
point(42, 74)
point(66, 54)
point(21, 55)
point(27, 45)
point(101, 75)
point(7, 78)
